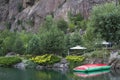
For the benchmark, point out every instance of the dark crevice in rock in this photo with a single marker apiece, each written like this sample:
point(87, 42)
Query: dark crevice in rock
point(30, 2)
point(62, 4)
point(7, 1)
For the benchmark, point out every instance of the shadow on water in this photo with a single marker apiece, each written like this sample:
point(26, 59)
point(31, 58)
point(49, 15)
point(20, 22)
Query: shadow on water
point(115, 74)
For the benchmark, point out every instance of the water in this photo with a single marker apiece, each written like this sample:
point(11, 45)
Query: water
point(15, 74)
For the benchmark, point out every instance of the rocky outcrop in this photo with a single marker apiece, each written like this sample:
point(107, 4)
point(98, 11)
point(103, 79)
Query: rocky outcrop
point(29, 14)
point(11, 54)
point(62, 65)
point(8, 10)
point(77, 6)
point(19, 65)
point(31, 17)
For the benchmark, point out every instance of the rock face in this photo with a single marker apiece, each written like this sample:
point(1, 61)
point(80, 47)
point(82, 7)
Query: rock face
point(63, 66)
point(32, 16)
point(77, 6)
point(29, 14)
point(11, 54)
point(19, 65)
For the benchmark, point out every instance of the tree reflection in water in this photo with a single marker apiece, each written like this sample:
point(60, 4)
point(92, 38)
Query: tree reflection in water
point(30, 74)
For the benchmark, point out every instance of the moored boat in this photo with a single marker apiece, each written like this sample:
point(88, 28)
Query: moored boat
point(91, 67)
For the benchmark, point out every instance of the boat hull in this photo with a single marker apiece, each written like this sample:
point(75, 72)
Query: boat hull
point(91, 67)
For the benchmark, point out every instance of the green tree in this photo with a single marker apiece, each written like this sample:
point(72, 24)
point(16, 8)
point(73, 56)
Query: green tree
point(34, 45)
point(18, 46)
point(52, 41)
point(48, 22)
point(89, 38)
point(25, 37)
point(62, 25)
point(75, 39)
point(106, 21)
point(7, 41)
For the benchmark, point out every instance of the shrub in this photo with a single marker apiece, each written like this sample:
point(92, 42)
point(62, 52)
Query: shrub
point(52, 41)
point(62, 24)
point(75, 58)
point(18, 46)
point(71, 27)
point(75, 18)
point(8, 40)
point(89, 38)
point(98, 54)
point(33, 45)
point(75, 39)
point(48, 22)
point(47, 59)
point(9, 61)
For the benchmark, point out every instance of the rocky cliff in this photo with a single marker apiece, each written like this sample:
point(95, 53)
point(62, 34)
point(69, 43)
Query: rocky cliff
point(29, 14)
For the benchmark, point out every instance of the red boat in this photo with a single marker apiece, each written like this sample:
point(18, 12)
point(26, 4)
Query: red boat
point(91, 67)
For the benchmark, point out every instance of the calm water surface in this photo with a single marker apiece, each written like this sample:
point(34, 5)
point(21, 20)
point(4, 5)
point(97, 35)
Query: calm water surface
point(15, 74)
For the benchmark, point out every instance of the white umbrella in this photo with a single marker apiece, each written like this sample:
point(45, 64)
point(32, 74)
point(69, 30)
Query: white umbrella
point(105, 43)
point(78, 47)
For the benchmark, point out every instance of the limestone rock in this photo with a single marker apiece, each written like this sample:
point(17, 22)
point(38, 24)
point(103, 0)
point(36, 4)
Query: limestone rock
point(29, 14)
point(10, 54)
point(19, 65)
point(40, 67)
point(77, 6)
point(62, 64)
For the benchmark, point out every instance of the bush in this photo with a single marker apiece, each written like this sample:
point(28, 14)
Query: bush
point(7, 39)
point(18, 46)
point(47, 59)
point(52, 41)
point(71, 27)
point(89, 38)
point(75, 39)
point(75, 58)
point(98, 54)
point(62, 25)
point(9, 61)
point(34, 45)
point(75, 18)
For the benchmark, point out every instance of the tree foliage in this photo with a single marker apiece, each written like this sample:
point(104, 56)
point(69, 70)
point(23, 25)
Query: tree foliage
point(62, 25)
point(75, 39)
point(106, 21)
point(34, 45)
point(52, 41)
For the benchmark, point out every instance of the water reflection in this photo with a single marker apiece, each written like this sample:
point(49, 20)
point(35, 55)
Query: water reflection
point(15, 74)
point(115, 74)
point(91, 74)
